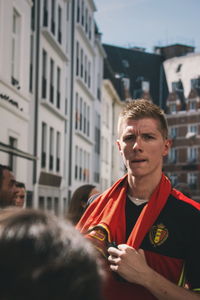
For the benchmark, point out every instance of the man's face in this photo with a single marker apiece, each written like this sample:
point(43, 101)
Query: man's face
point(142, 147)
point(20, 196)
point(8, 189)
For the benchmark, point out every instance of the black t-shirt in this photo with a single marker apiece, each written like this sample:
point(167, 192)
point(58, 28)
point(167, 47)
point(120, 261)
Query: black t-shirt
point(173, 236)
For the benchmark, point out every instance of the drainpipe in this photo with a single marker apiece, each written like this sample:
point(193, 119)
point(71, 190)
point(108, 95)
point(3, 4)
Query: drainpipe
point(71, 116)
point(37, 55)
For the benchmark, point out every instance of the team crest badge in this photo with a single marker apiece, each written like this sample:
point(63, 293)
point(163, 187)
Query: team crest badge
point(158, 235)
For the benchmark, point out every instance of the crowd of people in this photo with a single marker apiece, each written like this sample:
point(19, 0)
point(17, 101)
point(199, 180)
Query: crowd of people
point(136, 240)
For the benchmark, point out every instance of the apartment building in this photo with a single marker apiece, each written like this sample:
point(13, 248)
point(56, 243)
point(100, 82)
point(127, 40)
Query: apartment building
point(86, 99)
point(15, 98)
point(50, 36)
point(51, 75)
point(183, 114)
point(112, 167)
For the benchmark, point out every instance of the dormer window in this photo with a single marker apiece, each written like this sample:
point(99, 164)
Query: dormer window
point(172, 107)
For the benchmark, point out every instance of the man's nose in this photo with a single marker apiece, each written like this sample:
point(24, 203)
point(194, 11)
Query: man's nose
point(137, 144)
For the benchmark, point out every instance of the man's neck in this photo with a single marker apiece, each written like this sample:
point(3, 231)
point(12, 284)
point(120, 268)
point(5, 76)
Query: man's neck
point(143, 187)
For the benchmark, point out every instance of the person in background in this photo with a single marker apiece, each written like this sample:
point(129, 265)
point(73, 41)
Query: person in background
point(79, 201)
point(147, 231)
point(20, 194)
point(42, 257)
point(7, 186)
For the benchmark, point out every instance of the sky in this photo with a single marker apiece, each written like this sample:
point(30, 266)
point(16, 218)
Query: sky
point(149, 23)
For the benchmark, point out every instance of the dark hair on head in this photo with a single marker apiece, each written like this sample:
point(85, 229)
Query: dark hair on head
point(141, 108)
point(2, 168)
point(76, 208)
point(20, 185)
point(42, 257)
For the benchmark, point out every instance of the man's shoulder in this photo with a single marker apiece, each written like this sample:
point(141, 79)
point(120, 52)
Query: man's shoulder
point(184, 200)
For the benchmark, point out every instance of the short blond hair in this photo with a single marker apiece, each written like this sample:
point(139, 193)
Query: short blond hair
point(141, 108)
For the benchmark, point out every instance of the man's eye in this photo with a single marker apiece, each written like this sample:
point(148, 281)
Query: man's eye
point(128, 138)
point(148, 137)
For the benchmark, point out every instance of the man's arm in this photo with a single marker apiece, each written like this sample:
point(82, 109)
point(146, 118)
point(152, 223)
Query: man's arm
point(131, 265)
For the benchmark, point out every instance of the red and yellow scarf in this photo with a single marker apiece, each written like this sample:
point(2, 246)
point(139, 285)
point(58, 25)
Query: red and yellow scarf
point(107, 213)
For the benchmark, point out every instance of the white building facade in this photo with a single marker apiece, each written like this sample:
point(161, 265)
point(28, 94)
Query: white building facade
point(15, 98)
point(51, 103)
point(112, 167)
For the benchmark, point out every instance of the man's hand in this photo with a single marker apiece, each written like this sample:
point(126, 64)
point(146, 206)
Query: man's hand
point(129, 263)
point(132, 266)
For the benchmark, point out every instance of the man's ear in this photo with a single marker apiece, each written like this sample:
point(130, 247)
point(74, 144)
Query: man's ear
point(168, 144)
point(119, 145)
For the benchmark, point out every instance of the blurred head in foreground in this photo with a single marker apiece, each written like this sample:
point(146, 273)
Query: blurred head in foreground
point(42, 257)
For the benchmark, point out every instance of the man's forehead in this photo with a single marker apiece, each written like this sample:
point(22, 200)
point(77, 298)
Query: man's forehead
point(142, 124)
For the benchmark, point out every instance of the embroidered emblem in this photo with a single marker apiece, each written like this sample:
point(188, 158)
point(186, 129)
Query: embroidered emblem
point(158, 234)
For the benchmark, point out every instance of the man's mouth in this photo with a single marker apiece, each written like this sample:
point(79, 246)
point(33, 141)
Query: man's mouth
point(138, 160)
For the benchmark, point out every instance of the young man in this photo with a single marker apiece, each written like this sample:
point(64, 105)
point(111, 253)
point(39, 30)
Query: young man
point(150, 224)
point(7, 186)
point(20, 194)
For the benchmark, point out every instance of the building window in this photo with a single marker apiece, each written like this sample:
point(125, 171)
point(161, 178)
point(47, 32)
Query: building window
point(88, 121)
point(192, 154)
point(81, 63)
point(56, 205)
point(97, 134)
point(58, 87)
point(89, 74)
point(59, 25)
point(78, 12)
point(15, 58)
point(86, 20)
point(172, 156)
point(12, 162)
point(51, 81)
point(173, 132)
point(90, 27)
point(77, 112)
point(80, 163)
point(49, 203)
point(53, 16)
point(44, 145)
point(172, 108)
point(195, 83)
point(81, 115)
point(82, 13)
point(85, 73)
point(84, 117)
point(44, 74)
point(45, 13)
point(51, 148)
point(41, 203)
point(193, 129)
point(192, 180)
point(76, 162)
point(99, 87)
point(58, 144)
point(192, 105)
point(77, 58)
point(174, 179)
